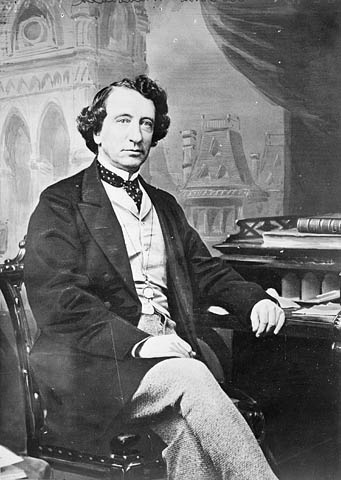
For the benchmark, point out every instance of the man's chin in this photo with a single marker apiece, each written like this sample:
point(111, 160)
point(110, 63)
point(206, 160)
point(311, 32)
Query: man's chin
point(133, 164)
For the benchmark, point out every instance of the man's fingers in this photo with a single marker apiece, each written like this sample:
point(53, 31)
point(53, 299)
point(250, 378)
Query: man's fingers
point(186, 346)
point(263, 322)
point(182, 347)
point(280, 322)
point(266, 317)
point(254, 320)
point(273, 317)
point(172, 353)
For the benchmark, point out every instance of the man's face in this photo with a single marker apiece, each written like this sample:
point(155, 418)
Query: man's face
point(127, 130)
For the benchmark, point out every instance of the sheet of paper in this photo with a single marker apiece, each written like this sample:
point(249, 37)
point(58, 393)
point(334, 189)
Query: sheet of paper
point(285, 303)
point(329, 309)
point(323, 297)
point(12, 473)
point(7, 457)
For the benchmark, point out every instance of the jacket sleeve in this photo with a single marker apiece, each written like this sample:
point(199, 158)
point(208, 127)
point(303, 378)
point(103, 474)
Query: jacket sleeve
point(214, 281)
point(57, 285)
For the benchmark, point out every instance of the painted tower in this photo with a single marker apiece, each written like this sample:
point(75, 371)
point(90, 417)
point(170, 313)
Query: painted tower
point(219, 187)
point(270, 173)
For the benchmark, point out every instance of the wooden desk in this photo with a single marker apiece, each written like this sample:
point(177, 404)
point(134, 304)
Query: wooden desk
point(309, 270)
point(295, 326)
point(270, 267)
point(246, 251)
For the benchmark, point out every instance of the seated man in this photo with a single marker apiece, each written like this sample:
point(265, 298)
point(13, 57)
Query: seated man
point(113, 272)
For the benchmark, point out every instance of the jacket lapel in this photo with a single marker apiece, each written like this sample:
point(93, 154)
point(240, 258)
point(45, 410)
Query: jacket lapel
point(100, 218)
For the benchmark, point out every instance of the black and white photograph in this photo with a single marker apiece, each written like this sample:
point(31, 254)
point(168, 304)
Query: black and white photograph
point(170, 239)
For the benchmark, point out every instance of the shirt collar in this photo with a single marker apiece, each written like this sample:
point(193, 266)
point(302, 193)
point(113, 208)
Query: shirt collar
point(122, 173)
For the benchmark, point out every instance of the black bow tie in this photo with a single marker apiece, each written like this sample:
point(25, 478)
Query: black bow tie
point(130, 186)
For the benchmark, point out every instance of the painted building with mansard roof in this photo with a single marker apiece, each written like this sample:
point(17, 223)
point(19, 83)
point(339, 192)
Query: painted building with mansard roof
point(54, 55)
point(268, 172)
point(218, 185)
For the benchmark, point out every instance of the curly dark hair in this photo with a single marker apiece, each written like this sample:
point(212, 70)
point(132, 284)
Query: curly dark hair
point(90, 120)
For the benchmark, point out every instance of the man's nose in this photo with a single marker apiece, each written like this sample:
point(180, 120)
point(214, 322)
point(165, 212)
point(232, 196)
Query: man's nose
point(134, 133)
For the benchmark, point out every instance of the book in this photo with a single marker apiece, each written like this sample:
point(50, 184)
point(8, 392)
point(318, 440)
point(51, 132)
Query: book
point(291, 238)
point(329, 223)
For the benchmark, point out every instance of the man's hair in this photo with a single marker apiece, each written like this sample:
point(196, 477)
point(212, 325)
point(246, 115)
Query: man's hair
point(90, 120)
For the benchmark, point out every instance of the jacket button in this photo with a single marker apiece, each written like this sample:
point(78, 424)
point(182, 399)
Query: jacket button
point(107, 277)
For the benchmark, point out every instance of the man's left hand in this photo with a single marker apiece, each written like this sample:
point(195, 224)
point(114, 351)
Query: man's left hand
point(266, 317)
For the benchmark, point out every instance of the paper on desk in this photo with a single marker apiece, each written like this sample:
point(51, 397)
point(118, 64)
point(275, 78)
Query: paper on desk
point(7, 457)
point(284, 302)
point(330, 309)
point(323, 297)
point(12, 473)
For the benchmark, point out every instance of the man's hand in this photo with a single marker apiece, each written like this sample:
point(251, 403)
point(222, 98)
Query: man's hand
point(266, 317)
point(165, 346)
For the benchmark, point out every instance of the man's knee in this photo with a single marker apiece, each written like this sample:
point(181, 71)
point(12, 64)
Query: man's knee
point(169, 381)
point(185, 369)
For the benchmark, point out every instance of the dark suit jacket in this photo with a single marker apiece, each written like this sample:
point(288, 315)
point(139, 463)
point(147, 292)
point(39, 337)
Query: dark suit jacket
point(80, 287)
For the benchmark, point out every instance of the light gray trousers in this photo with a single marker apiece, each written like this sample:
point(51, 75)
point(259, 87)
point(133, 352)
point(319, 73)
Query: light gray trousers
point(206, 436)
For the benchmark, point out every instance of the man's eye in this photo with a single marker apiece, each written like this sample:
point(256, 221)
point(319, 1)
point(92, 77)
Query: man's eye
point(147, 124)
point(123, 120)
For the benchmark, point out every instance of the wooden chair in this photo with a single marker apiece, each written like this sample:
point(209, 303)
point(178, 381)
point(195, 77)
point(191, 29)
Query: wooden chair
point(126, 460)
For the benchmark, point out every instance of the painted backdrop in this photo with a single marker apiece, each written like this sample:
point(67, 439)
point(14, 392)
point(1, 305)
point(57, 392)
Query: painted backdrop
point(254, 96)
point(224, 155)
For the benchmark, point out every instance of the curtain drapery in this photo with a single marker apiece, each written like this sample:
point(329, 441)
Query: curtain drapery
point(290, 51)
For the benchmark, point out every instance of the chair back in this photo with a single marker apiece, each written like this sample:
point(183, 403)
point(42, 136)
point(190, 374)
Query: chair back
point(24, 329)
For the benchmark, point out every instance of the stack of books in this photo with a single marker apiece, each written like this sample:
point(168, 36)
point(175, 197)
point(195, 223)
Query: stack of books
point(320, 232)
point(328, 224)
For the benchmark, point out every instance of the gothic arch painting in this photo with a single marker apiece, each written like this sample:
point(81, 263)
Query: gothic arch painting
point(16, 177)
point(121, 21)
point(33, 27)
point(54, 144)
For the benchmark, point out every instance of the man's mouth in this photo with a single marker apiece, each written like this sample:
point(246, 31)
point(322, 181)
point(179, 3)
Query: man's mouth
point(136, 152)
